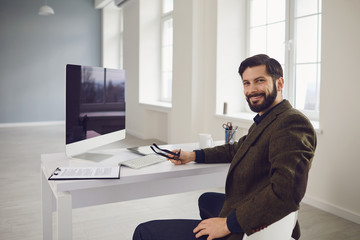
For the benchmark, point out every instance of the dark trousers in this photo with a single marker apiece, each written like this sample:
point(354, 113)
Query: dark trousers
point(210, 205)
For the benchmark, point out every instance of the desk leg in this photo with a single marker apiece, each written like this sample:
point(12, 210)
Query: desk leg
point(46, 208)
point(64, 216)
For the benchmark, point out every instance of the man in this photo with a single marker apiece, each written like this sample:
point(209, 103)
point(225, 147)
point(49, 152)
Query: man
point(269, 166)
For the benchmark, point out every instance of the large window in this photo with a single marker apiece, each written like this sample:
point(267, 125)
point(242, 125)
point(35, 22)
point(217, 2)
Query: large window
point(166, 50)
point(112, 36)
point(289, 31)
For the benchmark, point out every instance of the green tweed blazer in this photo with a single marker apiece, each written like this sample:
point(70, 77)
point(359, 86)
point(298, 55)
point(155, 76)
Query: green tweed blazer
point(269, 168)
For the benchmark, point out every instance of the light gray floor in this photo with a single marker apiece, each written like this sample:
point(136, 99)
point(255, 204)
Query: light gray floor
point(20, 202)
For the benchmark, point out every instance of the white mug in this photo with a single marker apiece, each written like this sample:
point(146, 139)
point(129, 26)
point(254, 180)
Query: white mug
point(205, 140)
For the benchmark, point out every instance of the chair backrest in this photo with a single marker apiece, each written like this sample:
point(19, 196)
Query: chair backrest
point(280, 230)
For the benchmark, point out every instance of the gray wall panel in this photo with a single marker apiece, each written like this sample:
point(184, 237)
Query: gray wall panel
point(34, 51)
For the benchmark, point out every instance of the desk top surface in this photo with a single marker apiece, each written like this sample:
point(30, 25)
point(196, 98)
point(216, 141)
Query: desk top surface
point(163, 170)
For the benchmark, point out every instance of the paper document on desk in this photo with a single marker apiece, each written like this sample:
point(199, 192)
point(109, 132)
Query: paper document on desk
point(85, 173)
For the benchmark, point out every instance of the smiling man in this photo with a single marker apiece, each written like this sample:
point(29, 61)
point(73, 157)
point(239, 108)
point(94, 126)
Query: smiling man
point(269, 168)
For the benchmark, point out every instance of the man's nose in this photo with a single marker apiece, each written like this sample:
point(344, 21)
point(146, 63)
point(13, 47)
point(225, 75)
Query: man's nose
point(252, 88)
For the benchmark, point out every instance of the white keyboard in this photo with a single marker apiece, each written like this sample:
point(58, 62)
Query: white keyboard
point(143, 161)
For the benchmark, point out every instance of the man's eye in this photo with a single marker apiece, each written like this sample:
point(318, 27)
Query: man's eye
point(245, 83)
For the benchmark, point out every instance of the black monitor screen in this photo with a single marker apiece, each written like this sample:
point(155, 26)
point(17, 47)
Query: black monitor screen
point(95, 102)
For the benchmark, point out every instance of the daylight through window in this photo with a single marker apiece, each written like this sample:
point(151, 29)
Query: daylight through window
point(289, 31)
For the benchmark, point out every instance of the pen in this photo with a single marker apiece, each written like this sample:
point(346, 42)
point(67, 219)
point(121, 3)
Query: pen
point(232, 134)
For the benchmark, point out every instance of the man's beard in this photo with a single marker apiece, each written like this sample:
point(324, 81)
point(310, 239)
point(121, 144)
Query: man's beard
point(268, 100)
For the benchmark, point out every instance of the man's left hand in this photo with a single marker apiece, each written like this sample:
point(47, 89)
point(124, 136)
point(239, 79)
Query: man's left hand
point(214, 227)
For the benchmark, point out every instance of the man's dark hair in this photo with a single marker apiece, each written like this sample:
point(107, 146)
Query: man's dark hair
point(273, 67)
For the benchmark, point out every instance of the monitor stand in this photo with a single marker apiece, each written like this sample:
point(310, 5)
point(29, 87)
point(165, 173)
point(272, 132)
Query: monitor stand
point(94, 157)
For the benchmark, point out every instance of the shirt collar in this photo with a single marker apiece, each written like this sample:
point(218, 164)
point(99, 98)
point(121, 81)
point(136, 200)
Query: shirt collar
point(258, 118)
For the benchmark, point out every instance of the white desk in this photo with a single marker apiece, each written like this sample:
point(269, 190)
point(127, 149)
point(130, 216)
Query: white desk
point(159, 179)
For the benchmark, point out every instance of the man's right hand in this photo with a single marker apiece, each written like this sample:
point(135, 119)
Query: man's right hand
point(185, 157)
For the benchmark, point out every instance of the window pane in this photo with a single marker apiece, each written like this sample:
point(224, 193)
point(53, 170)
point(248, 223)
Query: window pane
point(276, 41)
point(121, 20)
point(306, 7)
point(166, 64)
point(167, 38)
point(307, 87)
point(257, 12)
point(166, 60)
point(257, 40)
point(168, 6)
point(306, 39)
point(276, 10)
point(166, 80)
point(166, 88)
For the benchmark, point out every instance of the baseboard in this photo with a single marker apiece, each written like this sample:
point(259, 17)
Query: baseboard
point(333, 209)
point(31, 124)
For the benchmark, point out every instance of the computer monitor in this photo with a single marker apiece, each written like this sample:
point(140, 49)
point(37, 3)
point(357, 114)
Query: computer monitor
point(95, 107)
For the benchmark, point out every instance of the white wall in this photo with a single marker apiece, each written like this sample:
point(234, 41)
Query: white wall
point(334, 177)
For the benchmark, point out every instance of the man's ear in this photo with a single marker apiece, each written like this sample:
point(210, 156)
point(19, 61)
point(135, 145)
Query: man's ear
point(280, 83)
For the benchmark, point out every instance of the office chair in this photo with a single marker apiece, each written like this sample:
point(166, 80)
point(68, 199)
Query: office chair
point(280, 230)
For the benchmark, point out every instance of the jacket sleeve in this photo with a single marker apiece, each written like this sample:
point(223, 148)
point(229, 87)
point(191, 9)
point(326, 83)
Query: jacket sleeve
point(291, 149)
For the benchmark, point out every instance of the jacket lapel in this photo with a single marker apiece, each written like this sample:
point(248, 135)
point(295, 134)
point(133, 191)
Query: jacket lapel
point(256, 130)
